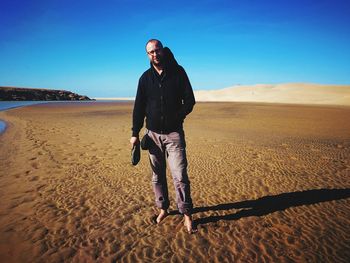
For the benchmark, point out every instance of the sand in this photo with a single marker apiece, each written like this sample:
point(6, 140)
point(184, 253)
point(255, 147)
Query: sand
point(270, 183)
point(297, 93)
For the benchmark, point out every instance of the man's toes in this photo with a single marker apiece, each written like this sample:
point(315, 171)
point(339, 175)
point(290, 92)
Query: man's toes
point(161, 217)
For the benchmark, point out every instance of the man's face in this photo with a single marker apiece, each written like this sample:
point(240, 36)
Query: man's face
point(155, 53)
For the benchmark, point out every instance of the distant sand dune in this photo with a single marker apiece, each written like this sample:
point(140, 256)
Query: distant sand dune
point(298, 93)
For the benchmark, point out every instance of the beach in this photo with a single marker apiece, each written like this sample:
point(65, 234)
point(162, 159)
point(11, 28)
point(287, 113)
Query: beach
point(270, 182)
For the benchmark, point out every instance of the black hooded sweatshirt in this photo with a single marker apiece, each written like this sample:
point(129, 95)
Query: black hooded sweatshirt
point(164, 99)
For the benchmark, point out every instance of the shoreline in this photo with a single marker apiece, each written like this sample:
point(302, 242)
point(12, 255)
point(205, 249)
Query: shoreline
point(22, 104)
point(3, 126)
point(3, 123)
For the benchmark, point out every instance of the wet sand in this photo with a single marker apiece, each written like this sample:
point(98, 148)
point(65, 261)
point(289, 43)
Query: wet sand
point(270, 183)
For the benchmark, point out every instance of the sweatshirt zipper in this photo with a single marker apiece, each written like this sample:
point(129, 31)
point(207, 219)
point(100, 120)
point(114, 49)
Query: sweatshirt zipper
point(162, 103)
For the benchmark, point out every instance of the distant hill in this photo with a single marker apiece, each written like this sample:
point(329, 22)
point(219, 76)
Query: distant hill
point(19, 94)
point(295, 93)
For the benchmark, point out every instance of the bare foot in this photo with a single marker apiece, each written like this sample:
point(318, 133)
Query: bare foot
point(163, 214)
point(189, 224)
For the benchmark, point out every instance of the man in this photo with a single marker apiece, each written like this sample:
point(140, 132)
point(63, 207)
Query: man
point(164, 97)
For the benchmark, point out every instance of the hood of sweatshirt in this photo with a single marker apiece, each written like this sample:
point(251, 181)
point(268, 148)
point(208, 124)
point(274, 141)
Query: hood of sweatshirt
point(169, 60)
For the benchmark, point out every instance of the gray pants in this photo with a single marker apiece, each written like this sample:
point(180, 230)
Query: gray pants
point(170, 146)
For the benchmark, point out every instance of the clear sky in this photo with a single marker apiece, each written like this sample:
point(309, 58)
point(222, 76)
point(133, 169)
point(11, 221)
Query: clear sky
point(97, 48)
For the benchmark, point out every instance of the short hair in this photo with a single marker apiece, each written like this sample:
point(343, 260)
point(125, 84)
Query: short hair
point(154, 40)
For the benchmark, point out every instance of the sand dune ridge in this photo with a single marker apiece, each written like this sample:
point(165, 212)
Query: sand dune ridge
point(298, 93)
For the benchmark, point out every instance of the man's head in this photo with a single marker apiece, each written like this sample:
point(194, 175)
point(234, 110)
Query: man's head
point(154, 49)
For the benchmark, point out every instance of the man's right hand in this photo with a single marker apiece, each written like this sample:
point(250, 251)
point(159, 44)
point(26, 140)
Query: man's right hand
point(134, 141)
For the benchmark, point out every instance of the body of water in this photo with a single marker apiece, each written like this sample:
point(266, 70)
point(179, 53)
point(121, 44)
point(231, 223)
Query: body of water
point(2, 126)
point(5, 105)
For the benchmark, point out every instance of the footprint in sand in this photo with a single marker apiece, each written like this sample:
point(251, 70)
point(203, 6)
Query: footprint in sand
point(35, 165)
point(34, 178)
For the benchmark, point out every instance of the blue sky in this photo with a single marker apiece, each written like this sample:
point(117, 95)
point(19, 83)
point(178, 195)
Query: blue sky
point(96, 48)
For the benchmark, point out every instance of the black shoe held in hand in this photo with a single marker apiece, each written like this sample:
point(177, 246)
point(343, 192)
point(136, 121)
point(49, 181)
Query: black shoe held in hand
point(135, 154)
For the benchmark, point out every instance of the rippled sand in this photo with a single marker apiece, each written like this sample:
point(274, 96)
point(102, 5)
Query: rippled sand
point(270, 183)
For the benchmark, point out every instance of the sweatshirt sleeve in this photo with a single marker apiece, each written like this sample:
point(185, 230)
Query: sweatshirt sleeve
point(188, 96)
point(138, 115)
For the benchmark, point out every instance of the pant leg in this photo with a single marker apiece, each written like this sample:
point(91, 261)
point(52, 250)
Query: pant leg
point(176, 152)
point(158, 166)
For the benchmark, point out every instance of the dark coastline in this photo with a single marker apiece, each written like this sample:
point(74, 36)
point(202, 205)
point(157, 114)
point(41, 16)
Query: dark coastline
point(25, 94)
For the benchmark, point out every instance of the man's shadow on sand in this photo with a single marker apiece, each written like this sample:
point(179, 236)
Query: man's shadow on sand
point(270, 204)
